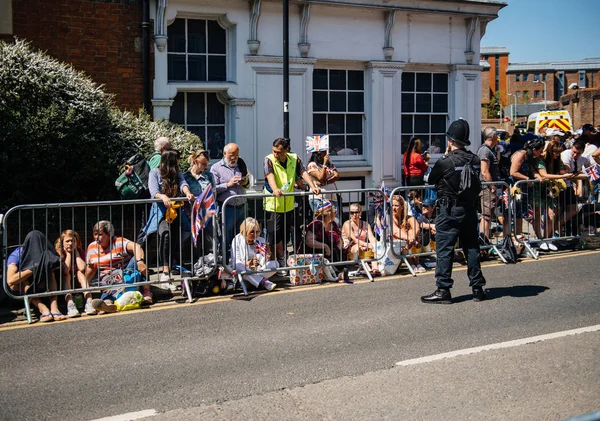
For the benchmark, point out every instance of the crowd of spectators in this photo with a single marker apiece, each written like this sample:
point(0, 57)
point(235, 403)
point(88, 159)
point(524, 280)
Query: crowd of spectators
point(554, 159)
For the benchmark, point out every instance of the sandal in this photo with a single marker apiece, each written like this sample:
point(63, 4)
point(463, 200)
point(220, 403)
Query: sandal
point(375, 272)
point(58, 316)
point(44, 318)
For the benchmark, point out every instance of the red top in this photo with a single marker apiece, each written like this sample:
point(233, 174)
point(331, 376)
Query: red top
point(416, 166)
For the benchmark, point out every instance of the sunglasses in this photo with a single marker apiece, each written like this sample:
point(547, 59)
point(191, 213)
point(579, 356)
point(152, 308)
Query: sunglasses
point(355, 212)
point(204, 154)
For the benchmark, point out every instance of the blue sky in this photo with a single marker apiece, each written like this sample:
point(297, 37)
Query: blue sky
point(546, 30)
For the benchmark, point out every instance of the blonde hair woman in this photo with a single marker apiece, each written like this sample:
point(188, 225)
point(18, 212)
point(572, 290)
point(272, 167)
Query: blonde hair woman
point(405, 228)
point(69, 248)
point(249, 251)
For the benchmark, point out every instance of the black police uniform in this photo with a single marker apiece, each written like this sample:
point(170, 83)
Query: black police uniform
point(455, 220)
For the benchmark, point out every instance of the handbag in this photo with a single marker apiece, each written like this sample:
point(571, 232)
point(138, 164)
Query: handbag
point(508, 250)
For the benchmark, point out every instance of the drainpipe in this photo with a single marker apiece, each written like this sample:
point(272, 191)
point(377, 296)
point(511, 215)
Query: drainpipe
point(146, 54)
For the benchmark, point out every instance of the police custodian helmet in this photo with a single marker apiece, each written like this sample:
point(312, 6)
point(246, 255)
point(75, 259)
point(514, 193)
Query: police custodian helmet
point(459, 132)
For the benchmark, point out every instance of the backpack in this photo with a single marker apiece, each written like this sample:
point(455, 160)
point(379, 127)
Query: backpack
point(470, 185)
point(132, 183)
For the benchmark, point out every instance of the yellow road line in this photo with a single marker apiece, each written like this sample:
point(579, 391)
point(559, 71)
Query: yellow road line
point(214, 300)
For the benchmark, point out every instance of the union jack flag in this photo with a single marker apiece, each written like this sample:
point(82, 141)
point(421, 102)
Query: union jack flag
point(505, 198)
point(204, 208)
point(530, 215)
point(592, 172)
point(260, 247)
point(317, 143)
point(378, 199)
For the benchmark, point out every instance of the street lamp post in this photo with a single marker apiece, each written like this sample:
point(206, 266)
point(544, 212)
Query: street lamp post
point(286, 70)
point(513, 114)
point(545, 103)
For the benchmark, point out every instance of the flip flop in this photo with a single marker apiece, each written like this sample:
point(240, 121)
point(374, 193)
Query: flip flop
point(44, 318)
point(58, 317)
point(375, 272)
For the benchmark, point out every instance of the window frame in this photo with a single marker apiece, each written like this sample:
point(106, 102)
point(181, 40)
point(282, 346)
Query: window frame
point(203, 137)
point(431, 113)
point(342, 158)
point(229, 54)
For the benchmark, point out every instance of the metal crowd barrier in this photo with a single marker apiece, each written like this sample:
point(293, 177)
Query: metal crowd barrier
point(551, 211)
point(128, 217)
point(421, 205)
point(527, 210)
point(294, 222)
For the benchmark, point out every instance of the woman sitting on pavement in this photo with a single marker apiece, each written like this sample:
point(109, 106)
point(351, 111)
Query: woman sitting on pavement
point(108, 253)
point(405, 228)
point(249, 251)
point(30, 269)
point(321, 238)
point(167, 182)
point(69, 247)
point(358, 237)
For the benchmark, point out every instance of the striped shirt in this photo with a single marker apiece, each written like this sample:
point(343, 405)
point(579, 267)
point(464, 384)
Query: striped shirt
point(116, 257)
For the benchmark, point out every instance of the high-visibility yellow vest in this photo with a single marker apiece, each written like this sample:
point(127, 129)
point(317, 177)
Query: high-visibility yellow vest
point(284, 177)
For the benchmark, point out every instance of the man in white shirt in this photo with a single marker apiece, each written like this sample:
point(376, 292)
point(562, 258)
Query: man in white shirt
point(574, 162)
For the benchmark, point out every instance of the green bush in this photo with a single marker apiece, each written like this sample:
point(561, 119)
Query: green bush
point(62, 139)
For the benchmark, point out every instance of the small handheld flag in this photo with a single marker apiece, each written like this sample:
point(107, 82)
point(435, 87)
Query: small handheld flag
point(593, 172)
point(204, 208)
point(317, 143)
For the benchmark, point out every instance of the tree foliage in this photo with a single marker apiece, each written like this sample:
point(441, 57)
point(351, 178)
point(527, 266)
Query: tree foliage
point(62, 139)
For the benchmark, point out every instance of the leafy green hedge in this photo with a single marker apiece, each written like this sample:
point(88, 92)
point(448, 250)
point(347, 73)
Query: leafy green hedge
point(61, 137)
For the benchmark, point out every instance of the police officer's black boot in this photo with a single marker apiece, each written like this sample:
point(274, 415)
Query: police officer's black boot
point(439, 296)
point(479, 294)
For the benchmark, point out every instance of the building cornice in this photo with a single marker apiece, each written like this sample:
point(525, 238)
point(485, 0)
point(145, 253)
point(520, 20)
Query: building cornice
point(399, 65)
point(278, 60)
point(467, 67)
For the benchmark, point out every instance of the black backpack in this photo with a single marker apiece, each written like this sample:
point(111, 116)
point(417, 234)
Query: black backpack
point(132, 183)
point(470, 185)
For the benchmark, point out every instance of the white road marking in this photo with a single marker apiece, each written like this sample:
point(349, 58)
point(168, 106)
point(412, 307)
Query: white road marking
point(130, 416)
point(498, 345)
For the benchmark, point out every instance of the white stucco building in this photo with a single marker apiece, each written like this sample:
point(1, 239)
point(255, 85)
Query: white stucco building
point(370, 73)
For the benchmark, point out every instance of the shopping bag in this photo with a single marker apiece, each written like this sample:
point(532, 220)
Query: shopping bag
point(310, 275)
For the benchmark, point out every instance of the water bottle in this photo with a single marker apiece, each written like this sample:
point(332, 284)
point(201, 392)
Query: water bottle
point(78, 300)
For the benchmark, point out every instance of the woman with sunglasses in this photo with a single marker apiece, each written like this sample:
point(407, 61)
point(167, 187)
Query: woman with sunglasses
point(358, 236)
point(199, 178)
point(251, 252)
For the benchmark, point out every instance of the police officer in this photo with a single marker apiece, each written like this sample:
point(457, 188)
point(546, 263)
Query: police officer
point(456, 218)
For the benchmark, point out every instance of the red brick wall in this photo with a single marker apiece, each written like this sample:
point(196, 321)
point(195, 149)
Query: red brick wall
point(100, 37)
point(584, 106)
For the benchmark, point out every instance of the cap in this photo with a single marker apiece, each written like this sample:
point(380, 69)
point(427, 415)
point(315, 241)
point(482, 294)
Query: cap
point(588, 127)
point(459, 132)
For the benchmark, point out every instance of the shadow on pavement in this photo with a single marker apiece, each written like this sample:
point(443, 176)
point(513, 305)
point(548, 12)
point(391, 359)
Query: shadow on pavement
point(517, 291)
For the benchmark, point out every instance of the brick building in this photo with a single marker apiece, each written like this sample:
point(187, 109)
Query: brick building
point(100, 37)
point(526, 80)
point(497, 63)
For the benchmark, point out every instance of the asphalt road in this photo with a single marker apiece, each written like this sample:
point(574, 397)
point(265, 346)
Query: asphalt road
point(324, 352)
